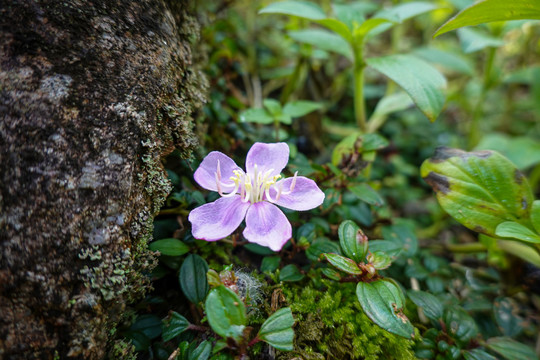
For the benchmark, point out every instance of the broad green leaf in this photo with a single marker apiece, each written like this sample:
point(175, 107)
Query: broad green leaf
point(338, 27)
point(535, 215)
point(368, 25)
point(290, 273)
point(479, 189)
point(402, 235)
point(260, 116)
point(139, 340)
point(366, 194)
point(420, 80)
point(324, 40)
point(391, 248)
point(392, 103)
point(402, 12)
point(149, 325)
point(353, 13)
point(342, 263)
point(270, 263)
point(447, 59)
point(523, 151)
point(226, 313)
point(432, 307)
point(477, 354)
point(511, 349)
point(473, 40)
point(492, 10)
point(193, 278)
point(303, 9)
point(319, 247)
point(202, 352)
point(277, 330)
point(383, 303)
point(521, 250)
point(301, 107)
point(506, 312)
point(258, 249)
point(460, 324)
point(514, 230)
point(331, 273)
point(379, 260)
point(353, 241)
point(174, 325)
point(272, 106)
point(170, 247)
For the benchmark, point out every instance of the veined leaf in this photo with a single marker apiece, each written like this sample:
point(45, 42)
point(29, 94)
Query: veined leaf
point(353, 241)
point(301, 107)
point(420, 80)
point(511, 349)
point(324, 40)
point(475, 40)
point(277, 330)
point(492, 10)
point(226, 313)
point(170, 247)
point(514, 230)
point(342, 263)
point(432, 307)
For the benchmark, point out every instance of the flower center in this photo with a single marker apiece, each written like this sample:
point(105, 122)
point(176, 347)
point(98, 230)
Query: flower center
point(253, 186)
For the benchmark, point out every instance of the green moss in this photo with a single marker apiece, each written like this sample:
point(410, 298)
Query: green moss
point(122, 349)
point(331, 324)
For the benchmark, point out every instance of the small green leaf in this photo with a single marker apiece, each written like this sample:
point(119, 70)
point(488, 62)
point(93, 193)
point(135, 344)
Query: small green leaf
point(270, 263)
point(149, 325)
point(392, 103)
point(479, 189)
point(193, 278)
point(354, 12)
point(514, 230)
point(260, 116)
point(535, 215)
point(331, 273)
point(272, 106)
point(226, 313)
point(432, 307)
point(366, 194)
point(477, 354)
point(521, 250)
point(277, 330)
point(511, 349)
point(383, 303)
point(447, 59)
point(408, 10)
point(303, 9)
point(402, 235)
point(338, 27)
point(460, 324)
point(420, 80)
point(174, 325)
point(391, 248)
point(379, 260)
point(352, 240)
point(368, 25)
point(202, 352)
point(506, 314)
point(344, 264)
point(473, 40)
point(523, 151)
point(324, 40)
point(492, 10)
point(319, 247)
point(290, 273)
point(170, 247)
point(300, 108)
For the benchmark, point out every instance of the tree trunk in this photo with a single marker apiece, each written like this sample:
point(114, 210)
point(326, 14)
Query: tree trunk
point(92, 95)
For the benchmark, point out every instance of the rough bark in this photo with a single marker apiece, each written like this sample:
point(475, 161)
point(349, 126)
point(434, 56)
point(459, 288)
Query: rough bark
point(92, 95)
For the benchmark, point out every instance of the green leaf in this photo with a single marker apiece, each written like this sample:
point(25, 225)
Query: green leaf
point(408, 10)
point(383, 303)
point(202, 352)
point(260, 116)
point(392, 103)
point(369, 25)
point(511, 349)
point(473, 40)
point(344, 264)
point(420, 80)
point(479, 189)
point(170, 246)
point(535, 215)
point(193, 278)
point(506, 312)
point(324, 40)
point(521, 250)
point(460, 324)
point(432, 307)
point(477, 354)
point(226, 313)
point(277, 330)
point(352, 240)
point(270, 263)
point(272, 106)
point(149, 325)
point(301, 108)
point(319, 247)
point(303, 9)
point(379, 260)
point(523, 151)
point(338, 27)
point(353, 13)
point(492, 10)
point(514, 230)
point(447, 59)
point(290, 273)
point(174, 325)
point(403, 236)
point(391, 248)
point(366, 194)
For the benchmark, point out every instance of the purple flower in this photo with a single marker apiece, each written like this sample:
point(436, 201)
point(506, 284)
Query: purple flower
point(252, 195)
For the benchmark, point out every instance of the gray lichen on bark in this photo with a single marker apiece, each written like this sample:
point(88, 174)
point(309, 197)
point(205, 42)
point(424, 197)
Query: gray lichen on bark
point(92, 96)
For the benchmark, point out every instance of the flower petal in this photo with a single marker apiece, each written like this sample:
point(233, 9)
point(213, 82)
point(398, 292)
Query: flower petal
point(206, 172)
point(218, 219)
point(266, 225)
point(306, 195)
point(267, 156)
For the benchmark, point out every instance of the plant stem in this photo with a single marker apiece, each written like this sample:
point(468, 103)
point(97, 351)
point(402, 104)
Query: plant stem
point(359, 101)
